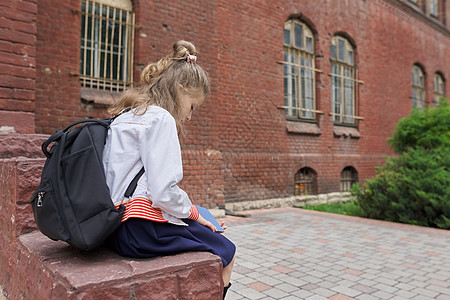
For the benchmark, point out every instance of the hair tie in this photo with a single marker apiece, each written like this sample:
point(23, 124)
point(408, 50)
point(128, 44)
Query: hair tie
point(192, 58)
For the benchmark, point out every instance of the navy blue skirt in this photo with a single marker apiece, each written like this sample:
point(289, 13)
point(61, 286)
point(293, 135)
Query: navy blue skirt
point(141, 238)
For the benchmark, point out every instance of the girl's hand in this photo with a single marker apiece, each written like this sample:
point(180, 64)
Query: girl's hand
point(206, 223)
point(222, 224)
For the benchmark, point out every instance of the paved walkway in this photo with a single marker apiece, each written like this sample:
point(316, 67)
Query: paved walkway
point(291, 253)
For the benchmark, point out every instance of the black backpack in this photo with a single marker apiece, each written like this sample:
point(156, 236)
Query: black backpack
point(73, 202)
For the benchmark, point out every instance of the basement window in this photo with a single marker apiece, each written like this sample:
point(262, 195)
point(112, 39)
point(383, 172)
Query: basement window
point(305, 182)
point(349, 176)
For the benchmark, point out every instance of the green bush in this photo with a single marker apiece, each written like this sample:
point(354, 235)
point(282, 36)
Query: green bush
point(414, 187)
point(425, 128)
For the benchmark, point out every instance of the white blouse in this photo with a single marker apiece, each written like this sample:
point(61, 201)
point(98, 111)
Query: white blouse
point(148, 140)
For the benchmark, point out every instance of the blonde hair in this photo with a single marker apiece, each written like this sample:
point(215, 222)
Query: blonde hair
point(160, 84)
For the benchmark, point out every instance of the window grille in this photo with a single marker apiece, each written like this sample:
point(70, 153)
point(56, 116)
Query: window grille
point(343, 81)
point(349, 176)
point(299, 71)
point(107, 38)
point(434, 8)
point(438, 89)
point(418, 87)
point(305, 182)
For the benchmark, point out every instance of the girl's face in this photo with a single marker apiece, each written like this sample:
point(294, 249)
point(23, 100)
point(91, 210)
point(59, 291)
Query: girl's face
point(189, 103)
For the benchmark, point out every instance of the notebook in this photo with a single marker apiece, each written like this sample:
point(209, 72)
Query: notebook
point(205, 213)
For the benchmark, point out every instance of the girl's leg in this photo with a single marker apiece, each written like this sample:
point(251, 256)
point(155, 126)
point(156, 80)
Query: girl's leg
point(226, 274)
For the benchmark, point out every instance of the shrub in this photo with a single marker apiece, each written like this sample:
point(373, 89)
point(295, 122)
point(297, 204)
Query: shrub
point(425, 128)
point(414, 187)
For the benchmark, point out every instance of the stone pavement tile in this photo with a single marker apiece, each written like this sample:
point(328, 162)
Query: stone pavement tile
point(405, 294)
point(383, 295)
point(323, 292)
point(366, 289)
point(405, 286)
point(386, 281)
point(246, 280)
point(425, 292)
point(316, 297)
point(302, 294)
point(291, 298)
point(259, 286)
point(234, 296)
point(282, 269)
point(340, 297)
point(346, 291)
point(238, 285)
point(247, 264)
point(249, 293)
point(345, 283)
point(420, 297)
point(366, 297)
point(350, 277)
point(269, 280)
point(440, 289)
point(386, 288)
point(326, 284)
point(286, 287)
point(418, 283)
point(294, 281)
point(238, 268)
point(309, 287)
point(276, 293)
point(311, 279)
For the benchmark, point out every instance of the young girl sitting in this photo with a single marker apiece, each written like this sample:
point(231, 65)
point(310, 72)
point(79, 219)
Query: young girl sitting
point(159, 218)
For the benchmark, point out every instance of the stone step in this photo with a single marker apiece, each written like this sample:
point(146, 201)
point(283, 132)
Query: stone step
point(53, 270)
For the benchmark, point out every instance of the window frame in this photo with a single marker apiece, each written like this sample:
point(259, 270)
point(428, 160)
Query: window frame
point(418, 91)
point(434, 8)
point(347, 74)
point(300, 100)
point(438, 88)
point(106, 59)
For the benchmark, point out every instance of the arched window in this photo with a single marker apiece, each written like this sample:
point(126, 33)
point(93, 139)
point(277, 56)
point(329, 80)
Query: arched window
point(305, 182)
point(343, 80)
point(418, 87)
point(107, 29)
point(349, 176)
point(438, 89)
point(299, 81)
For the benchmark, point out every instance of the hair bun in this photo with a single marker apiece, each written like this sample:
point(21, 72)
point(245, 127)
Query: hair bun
point(182, 49)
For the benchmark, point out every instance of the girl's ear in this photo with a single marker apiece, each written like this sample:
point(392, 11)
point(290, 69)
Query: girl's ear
point(181, 87)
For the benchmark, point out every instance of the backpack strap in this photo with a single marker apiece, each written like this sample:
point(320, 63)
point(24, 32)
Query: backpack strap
point(104, 123)
point(130, 190)
point(56, 135)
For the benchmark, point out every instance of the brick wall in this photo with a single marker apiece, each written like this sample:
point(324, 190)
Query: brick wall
point(238, 141)
point(17, 65)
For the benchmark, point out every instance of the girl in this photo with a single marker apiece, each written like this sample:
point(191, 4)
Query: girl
point(159, 218)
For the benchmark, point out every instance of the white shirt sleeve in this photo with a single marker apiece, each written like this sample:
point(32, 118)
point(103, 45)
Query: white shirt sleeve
point(160, 152)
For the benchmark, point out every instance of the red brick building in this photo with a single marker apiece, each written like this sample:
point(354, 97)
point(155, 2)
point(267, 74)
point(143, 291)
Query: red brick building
point(304, 93)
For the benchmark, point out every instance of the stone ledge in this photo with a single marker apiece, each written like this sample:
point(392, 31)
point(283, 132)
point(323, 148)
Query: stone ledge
point(302, 128)
point(53, 270)
point(289, 201)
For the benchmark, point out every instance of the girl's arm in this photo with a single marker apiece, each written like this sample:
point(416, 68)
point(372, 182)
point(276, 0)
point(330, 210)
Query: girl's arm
point(160, 152)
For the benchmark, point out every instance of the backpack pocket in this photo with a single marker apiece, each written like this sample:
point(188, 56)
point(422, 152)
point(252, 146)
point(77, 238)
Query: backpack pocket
point(46, 213)
point(85, 184)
